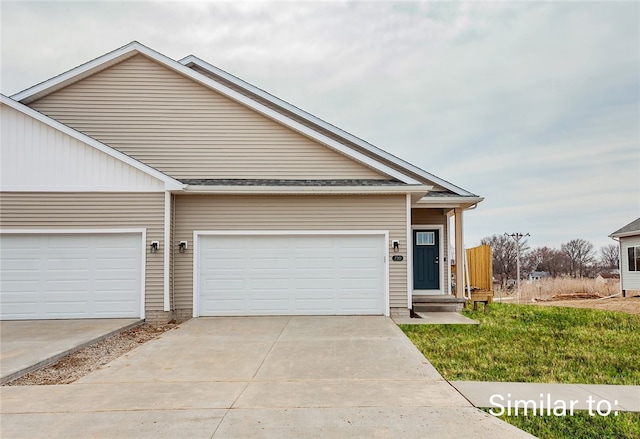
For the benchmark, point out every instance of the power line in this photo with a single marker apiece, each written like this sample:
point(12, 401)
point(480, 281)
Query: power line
point(517, 237)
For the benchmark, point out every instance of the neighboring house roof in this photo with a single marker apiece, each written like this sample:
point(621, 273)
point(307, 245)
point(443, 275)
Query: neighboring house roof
point(269, 106)
point(609, 275)
point(631, 229)
point(539, 274)
point(170, 183)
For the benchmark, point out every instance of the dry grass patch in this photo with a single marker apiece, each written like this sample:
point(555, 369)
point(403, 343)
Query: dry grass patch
point(551, 287)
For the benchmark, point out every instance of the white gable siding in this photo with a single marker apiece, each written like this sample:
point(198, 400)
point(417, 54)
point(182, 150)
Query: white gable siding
point(37, 157)
point(630, 279)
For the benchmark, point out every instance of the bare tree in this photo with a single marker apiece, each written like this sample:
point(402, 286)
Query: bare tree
point(503, 249)
point(580, 256)
point(551, 260)
point(610, 256)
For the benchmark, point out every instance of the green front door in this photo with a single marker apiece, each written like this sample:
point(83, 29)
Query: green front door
point(426, 260)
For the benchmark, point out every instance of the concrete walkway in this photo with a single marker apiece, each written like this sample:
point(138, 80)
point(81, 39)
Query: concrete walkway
point(27, 345)
point(268, 377)
point(600, 398)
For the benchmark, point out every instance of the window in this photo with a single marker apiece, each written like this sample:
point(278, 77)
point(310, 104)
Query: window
point(634, 258)
point(425, 238)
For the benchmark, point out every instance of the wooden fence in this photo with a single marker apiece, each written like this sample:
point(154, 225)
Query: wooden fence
point(479, 261)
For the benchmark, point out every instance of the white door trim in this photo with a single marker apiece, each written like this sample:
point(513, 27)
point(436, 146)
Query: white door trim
point(197, 233)
point(440, 229)
point(143, 247)
point(409, 232)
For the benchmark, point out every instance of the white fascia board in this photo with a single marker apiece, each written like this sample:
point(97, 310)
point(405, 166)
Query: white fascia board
point(170, 183)
point(135, 47)
point(625, 234)
point(192, 59)
point(308, 190)
point(448, 202)
point(81, 71)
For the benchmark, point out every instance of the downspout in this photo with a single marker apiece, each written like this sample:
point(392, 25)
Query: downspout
point(173, 256)
point(466, 295)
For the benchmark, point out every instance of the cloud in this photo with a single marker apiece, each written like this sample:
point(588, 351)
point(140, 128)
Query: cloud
point(533, 105)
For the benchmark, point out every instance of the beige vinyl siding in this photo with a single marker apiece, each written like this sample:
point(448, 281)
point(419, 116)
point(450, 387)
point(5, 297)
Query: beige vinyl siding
point(186, 130)
point(313, 126)
point(206, 213)
point(94, 211)
point(439, 218)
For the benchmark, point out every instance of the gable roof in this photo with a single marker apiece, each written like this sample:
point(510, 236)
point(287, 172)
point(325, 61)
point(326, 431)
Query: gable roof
point(264, 103)
point(631, 229)
point(310, 120)
point(169, 183)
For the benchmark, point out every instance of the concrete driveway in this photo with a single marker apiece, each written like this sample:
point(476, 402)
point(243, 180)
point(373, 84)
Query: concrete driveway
point(280, 377)
point(31, 344)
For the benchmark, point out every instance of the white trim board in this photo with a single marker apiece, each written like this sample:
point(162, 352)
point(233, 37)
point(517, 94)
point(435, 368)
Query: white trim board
point(167, 250)
point(197, 233)
point(409, 244)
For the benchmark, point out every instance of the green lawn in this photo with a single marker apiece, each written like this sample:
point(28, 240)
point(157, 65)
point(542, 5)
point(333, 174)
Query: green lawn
point(526, 343)
point(624, 426)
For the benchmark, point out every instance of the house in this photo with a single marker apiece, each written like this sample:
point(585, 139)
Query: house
point(135, 185)
point(628, 238)
point(537, 275)
point(607, 278)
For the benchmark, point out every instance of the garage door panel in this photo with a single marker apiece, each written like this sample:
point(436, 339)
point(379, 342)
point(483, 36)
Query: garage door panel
point(269, 263)
point(46, 276)
point(288, 275)
point(315, 263)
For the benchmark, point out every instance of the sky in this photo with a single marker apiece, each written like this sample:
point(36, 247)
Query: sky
point(534, 106)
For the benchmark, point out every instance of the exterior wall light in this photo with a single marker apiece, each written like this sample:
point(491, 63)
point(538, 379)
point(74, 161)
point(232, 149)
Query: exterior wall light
point(155, 245)
point(396, 245)
point(182, 247)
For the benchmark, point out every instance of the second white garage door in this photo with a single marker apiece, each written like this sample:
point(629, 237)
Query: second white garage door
point(69, 276)
point(243, 275)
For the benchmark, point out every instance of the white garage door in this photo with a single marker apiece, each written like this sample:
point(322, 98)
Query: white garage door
point(290, 274)
point(62, 276)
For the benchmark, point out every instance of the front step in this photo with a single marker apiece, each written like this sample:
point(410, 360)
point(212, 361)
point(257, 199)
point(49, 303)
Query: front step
point(437, 304)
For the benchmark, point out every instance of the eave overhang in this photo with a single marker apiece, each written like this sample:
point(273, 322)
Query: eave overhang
point(413, 190)
point(625, 235)
point(449, 202)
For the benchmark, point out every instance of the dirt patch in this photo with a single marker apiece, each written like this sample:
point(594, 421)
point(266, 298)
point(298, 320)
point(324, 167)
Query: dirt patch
point(74, 366)
point(629, 305)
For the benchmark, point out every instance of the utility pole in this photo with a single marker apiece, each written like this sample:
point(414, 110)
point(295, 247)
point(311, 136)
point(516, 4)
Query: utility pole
point(517, 237)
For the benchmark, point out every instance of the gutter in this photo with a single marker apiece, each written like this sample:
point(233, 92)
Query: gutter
point(307, 190)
